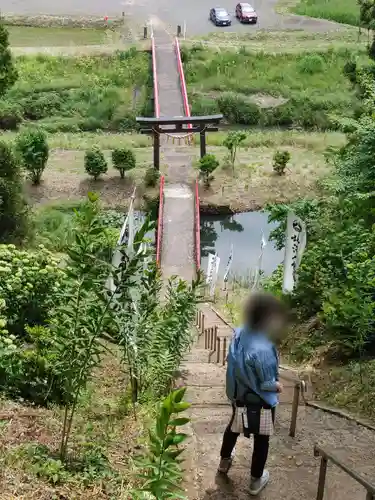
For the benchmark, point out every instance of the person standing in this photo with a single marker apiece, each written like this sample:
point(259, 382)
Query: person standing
point(252, 383)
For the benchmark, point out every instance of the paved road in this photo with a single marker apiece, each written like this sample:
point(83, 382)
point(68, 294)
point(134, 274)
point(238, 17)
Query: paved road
point(169, 13)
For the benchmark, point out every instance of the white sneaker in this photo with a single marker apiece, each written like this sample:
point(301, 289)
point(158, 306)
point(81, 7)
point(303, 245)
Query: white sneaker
point(225, 465)
point(257, 484)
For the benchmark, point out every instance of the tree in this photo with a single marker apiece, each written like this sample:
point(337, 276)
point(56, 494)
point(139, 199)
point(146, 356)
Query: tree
point(123, 160)
point(95, 163)
point(33, 149)
point(12, 204)
point(207, 165)
point(8, 72)
point(233, 142)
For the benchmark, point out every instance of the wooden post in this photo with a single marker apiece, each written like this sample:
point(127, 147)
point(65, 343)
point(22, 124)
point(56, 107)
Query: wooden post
point(202, 137)
point(156, 150)
point(145, 32)
point(370, 496)
point(215, 337)
point(322, 478)
point(202, 326)
point(205, 338)
point(218, 350)
point(224, 350)
point(179, 30)
point(293, 422)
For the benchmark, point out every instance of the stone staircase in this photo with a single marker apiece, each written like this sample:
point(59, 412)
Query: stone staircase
point(293, 468)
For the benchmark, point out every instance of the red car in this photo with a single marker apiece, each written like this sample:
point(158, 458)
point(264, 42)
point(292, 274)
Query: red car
point(246, 14)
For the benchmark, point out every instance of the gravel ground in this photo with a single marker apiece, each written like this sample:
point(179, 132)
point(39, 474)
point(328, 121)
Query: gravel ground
point(168, 14)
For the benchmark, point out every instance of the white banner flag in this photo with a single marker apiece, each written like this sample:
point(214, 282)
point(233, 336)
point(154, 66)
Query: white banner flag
point(229, 264)
point(210, 267)
point(215, 274)
point(295, 243)
point(258, 269)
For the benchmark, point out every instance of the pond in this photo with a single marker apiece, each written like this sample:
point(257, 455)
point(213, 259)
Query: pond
point(244, 232)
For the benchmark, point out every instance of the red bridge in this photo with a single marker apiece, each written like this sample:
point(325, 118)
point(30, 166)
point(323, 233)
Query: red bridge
point(178, 233)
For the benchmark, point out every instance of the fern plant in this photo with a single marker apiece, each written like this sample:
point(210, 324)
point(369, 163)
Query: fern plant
point(162, 472)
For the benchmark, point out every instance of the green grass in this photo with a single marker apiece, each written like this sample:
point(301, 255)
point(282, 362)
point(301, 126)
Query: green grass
point(28, 36)
point(86, 93)
point(290, 41)
point(341, 11)
point(295, 90)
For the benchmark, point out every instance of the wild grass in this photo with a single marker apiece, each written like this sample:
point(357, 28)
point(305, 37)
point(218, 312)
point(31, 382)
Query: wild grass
point(87, 93)
point(30, 36)
point(341, 11)
point(294, 90)
point(290, 41)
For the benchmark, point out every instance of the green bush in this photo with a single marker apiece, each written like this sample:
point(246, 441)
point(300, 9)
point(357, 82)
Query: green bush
point(10, 116)
point(123, 160)
point(207, 165)
point(30, 284)
point(13, 214)
point(36, 107)
point(203, 106)
point(237, 109)
point(8, 72)
point(151, 177)
point(280, 161)
point(95, 163)
point(311, 64)
point(33, 149)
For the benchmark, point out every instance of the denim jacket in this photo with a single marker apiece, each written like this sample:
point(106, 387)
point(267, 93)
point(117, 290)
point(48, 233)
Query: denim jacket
point(252, 365)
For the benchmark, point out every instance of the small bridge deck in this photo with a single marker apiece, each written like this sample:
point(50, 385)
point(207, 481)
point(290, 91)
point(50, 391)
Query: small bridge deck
point(177, 250)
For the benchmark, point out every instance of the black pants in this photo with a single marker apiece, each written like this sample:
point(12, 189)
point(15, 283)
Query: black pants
point(260, 450)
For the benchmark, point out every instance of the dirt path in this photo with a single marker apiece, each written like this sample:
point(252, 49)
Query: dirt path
point(293, 469)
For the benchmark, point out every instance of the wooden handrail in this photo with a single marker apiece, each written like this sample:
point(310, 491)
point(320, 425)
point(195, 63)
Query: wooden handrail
point(325, 456)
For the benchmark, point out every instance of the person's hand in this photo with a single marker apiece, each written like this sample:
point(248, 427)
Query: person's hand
point(279, 387)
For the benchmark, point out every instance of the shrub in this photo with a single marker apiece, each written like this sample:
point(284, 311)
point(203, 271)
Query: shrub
point(207, 165)
point(95, 163)
point(123, 160)
point(203, 106)
point(311, 64)
point(280, 161)
point(278, 116)
point(43, 105)
point(8, 72)
point(33, 149)
point(13, 220)
point(236, 109)
point(10, 116)
point(30, 283)
point(151, 177)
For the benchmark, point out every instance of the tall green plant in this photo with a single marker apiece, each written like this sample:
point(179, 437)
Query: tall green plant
point(162, 471)
point(8, 72)
point(123, 160)
point(233, 142)
point(33, 148)
point(88, 309)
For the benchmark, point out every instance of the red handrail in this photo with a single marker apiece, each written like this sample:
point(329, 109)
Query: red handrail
point(155, 78)
point(182, 80)
point(197, 228)
point(160, 221)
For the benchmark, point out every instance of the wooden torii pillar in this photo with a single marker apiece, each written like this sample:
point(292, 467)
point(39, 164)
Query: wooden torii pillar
point(178, 125)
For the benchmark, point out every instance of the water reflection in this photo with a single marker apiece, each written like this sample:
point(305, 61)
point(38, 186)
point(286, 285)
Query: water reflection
point(244, 231)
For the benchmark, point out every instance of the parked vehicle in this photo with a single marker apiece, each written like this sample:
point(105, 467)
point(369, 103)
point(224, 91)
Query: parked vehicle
point(245, 13)
point(220, 17)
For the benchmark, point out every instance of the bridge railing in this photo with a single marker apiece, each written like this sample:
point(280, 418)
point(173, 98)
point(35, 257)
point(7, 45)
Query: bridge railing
point(328, 456)
point(159, 233)
point(197, 228)
point(182, 80)
point(155, 79)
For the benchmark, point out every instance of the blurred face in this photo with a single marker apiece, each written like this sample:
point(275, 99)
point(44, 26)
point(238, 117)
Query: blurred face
point(275, 327)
